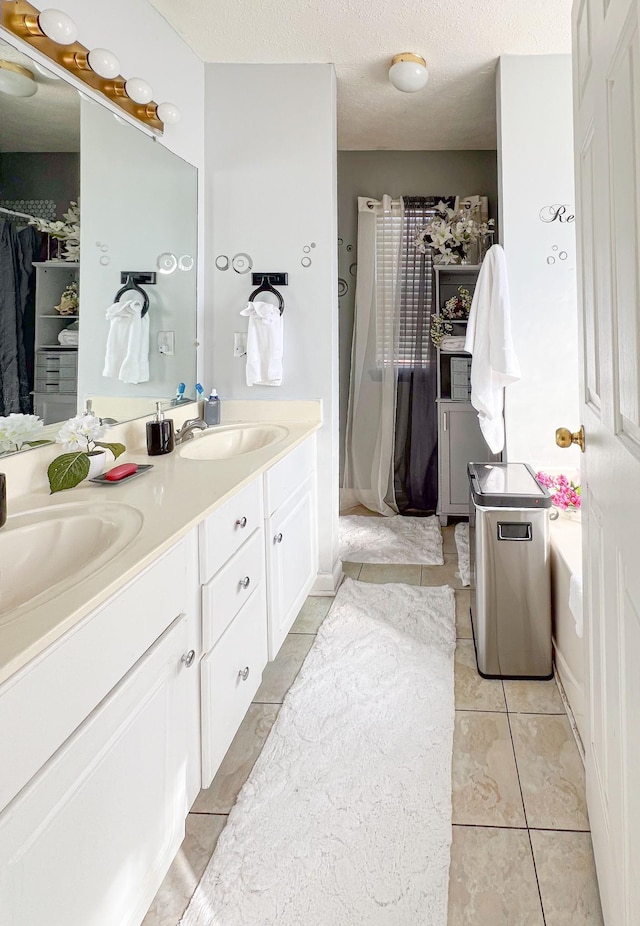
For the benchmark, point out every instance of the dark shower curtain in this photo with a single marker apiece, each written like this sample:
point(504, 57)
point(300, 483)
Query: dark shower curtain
point(416, 437)
point(18, 249)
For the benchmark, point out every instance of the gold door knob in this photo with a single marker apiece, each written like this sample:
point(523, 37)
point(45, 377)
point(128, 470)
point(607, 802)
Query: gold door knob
point(564, 438)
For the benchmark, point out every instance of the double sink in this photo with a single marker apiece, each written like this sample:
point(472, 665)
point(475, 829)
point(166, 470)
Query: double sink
point(47, 550)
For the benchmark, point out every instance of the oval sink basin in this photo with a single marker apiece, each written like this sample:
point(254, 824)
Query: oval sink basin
point(46, 551)
point(234, 441)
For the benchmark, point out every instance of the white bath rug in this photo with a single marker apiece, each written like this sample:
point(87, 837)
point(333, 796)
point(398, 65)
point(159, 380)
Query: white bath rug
point(461, 534)
point(391, 540)
point(345, 819)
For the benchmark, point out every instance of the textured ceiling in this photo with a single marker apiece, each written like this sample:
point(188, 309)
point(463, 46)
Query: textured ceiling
point(47, 121)
point(461, 41)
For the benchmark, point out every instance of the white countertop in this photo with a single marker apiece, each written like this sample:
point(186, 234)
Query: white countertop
point(173, 497)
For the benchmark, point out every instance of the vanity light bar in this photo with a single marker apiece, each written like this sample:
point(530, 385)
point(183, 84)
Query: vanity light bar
point(26, 22)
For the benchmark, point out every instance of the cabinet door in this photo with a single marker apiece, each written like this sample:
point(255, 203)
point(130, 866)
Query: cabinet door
point(460, 442)
point(292, 561)
point(89, 840)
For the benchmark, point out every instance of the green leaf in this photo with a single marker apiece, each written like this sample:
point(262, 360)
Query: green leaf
point(68, 470)
point(35, 443)
point(116, 449)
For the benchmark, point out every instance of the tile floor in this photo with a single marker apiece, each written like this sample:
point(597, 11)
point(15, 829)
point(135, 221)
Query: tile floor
point(521, 852)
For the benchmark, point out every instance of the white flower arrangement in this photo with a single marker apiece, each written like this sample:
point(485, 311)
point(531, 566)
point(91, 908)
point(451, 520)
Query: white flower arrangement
point(450, 233)
point(17, 431)
point(80, 437)
point(67, 231)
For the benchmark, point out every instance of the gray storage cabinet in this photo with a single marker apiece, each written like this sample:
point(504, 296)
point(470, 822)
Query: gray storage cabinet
point(510, 574)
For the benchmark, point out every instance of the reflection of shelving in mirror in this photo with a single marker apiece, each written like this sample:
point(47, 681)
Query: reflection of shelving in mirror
point(56, 365)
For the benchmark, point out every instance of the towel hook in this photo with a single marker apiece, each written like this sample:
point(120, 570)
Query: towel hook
point(132, 280)
point(266, 287)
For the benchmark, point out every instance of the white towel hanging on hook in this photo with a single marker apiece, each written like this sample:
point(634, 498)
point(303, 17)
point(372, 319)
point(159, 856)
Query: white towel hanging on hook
point(265, 344)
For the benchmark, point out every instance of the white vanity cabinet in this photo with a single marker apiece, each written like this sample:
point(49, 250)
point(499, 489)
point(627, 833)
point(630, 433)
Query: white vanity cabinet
point(90, 832)
point(291, 538)
point(234, 619)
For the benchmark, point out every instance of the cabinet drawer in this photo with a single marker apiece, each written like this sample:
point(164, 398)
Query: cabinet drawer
point(227, 592)
point(47, 700)
point(223, 532)
point(283, 479)
point(226, 692)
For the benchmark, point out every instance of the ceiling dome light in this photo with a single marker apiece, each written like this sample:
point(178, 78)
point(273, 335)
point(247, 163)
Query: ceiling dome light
point(58, 27)
point(16, 80)
point(408, 72)
point(138, 90)
point(168, 113)
point(104, 63)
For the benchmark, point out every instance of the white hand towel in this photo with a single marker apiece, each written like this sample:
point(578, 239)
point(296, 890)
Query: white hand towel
point(265, 342)
point(127, 351)
point(494, 364)
point(575, 602)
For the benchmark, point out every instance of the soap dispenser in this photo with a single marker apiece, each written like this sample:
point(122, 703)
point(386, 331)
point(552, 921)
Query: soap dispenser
point(160, 437)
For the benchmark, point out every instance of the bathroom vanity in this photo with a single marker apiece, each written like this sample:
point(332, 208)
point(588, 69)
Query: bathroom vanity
point(121, 692)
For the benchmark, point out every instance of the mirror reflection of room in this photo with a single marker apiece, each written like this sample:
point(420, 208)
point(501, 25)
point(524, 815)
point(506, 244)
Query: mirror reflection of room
point(39, 272)
point(63, 193)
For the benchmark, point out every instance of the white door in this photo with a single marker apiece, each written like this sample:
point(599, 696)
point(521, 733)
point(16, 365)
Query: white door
point(606, 47)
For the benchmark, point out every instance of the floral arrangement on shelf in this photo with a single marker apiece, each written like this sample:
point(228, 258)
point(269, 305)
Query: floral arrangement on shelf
point(67, 231)
point(69, 301)
point(18, 431)
point(450, 233)
point(80, 436)
point(455, 309)
point(565, 493)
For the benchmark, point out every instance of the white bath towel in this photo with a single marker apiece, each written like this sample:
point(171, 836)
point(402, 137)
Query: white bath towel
point(265, 340)
point(575, 602)
point(494, 364)
point(452, 344)
point(127, 351)
point(69, 336)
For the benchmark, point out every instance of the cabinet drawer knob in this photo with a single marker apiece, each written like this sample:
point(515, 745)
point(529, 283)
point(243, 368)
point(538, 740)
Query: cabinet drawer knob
point(188, 658)
point(241, 522)
point(246, 582)
point(278, 538)
point(244, 673)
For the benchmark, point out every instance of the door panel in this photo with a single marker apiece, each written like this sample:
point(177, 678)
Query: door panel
point(607, 95)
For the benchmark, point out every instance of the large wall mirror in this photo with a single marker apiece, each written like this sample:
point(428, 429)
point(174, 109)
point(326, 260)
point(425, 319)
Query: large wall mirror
point(64, 338)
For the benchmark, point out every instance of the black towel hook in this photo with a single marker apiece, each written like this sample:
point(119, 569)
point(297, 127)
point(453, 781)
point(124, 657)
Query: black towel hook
point(132, 280)
point(266, 287)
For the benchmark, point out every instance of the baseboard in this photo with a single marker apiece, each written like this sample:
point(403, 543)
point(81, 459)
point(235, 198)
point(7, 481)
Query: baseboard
point(326, 583)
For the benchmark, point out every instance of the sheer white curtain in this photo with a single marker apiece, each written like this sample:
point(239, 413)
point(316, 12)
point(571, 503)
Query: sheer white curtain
point(369, 445)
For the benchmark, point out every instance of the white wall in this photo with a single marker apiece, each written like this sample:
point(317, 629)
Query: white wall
point(270, 137)
point(535, 171)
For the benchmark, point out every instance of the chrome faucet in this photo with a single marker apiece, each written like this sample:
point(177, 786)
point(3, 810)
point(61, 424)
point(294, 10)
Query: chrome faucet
point(187, 429)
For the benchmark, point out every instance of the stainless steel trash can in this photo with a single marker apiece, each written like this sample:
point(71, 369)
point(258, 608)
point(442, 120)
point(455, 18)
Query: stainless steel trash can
point(510, 580)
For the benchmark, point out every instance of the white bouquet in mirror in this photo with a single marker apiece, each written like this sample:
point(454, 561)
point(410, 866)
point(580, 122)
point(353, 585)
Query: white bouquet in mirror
point(17, 431)
point(68, 231)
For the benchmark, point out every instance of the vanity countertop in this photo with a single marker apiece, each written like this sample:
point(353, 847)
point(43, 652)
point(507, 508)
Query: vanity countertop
point(173, 498)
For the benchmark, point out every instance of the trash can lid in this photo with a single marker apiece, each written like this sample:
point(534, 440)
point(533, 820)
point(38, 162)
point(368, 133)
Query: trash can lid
point(506, 485)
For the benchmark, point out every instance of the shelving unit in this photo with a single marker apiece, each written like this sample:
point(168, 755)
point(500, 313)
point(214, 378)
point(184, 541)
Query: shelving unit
point(460, 439)
point(56, 365)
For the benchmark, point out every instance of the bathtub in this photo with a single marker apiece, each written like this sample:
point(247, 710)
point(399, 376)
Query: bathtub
point(566, 560)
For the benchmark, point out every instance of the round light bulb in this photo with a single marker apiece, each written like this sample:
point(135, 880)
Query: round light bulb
point(168, 113)
point(104, 63)
point(58, 27)
point(138, 90)
point(408, 72)
point(16, 80)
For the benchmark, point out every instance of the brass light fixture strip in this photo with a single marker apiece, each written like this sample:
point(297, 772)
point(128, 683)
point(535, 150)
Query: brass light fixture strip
point(409, 56)
point(21, 18)
point(17, 68)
